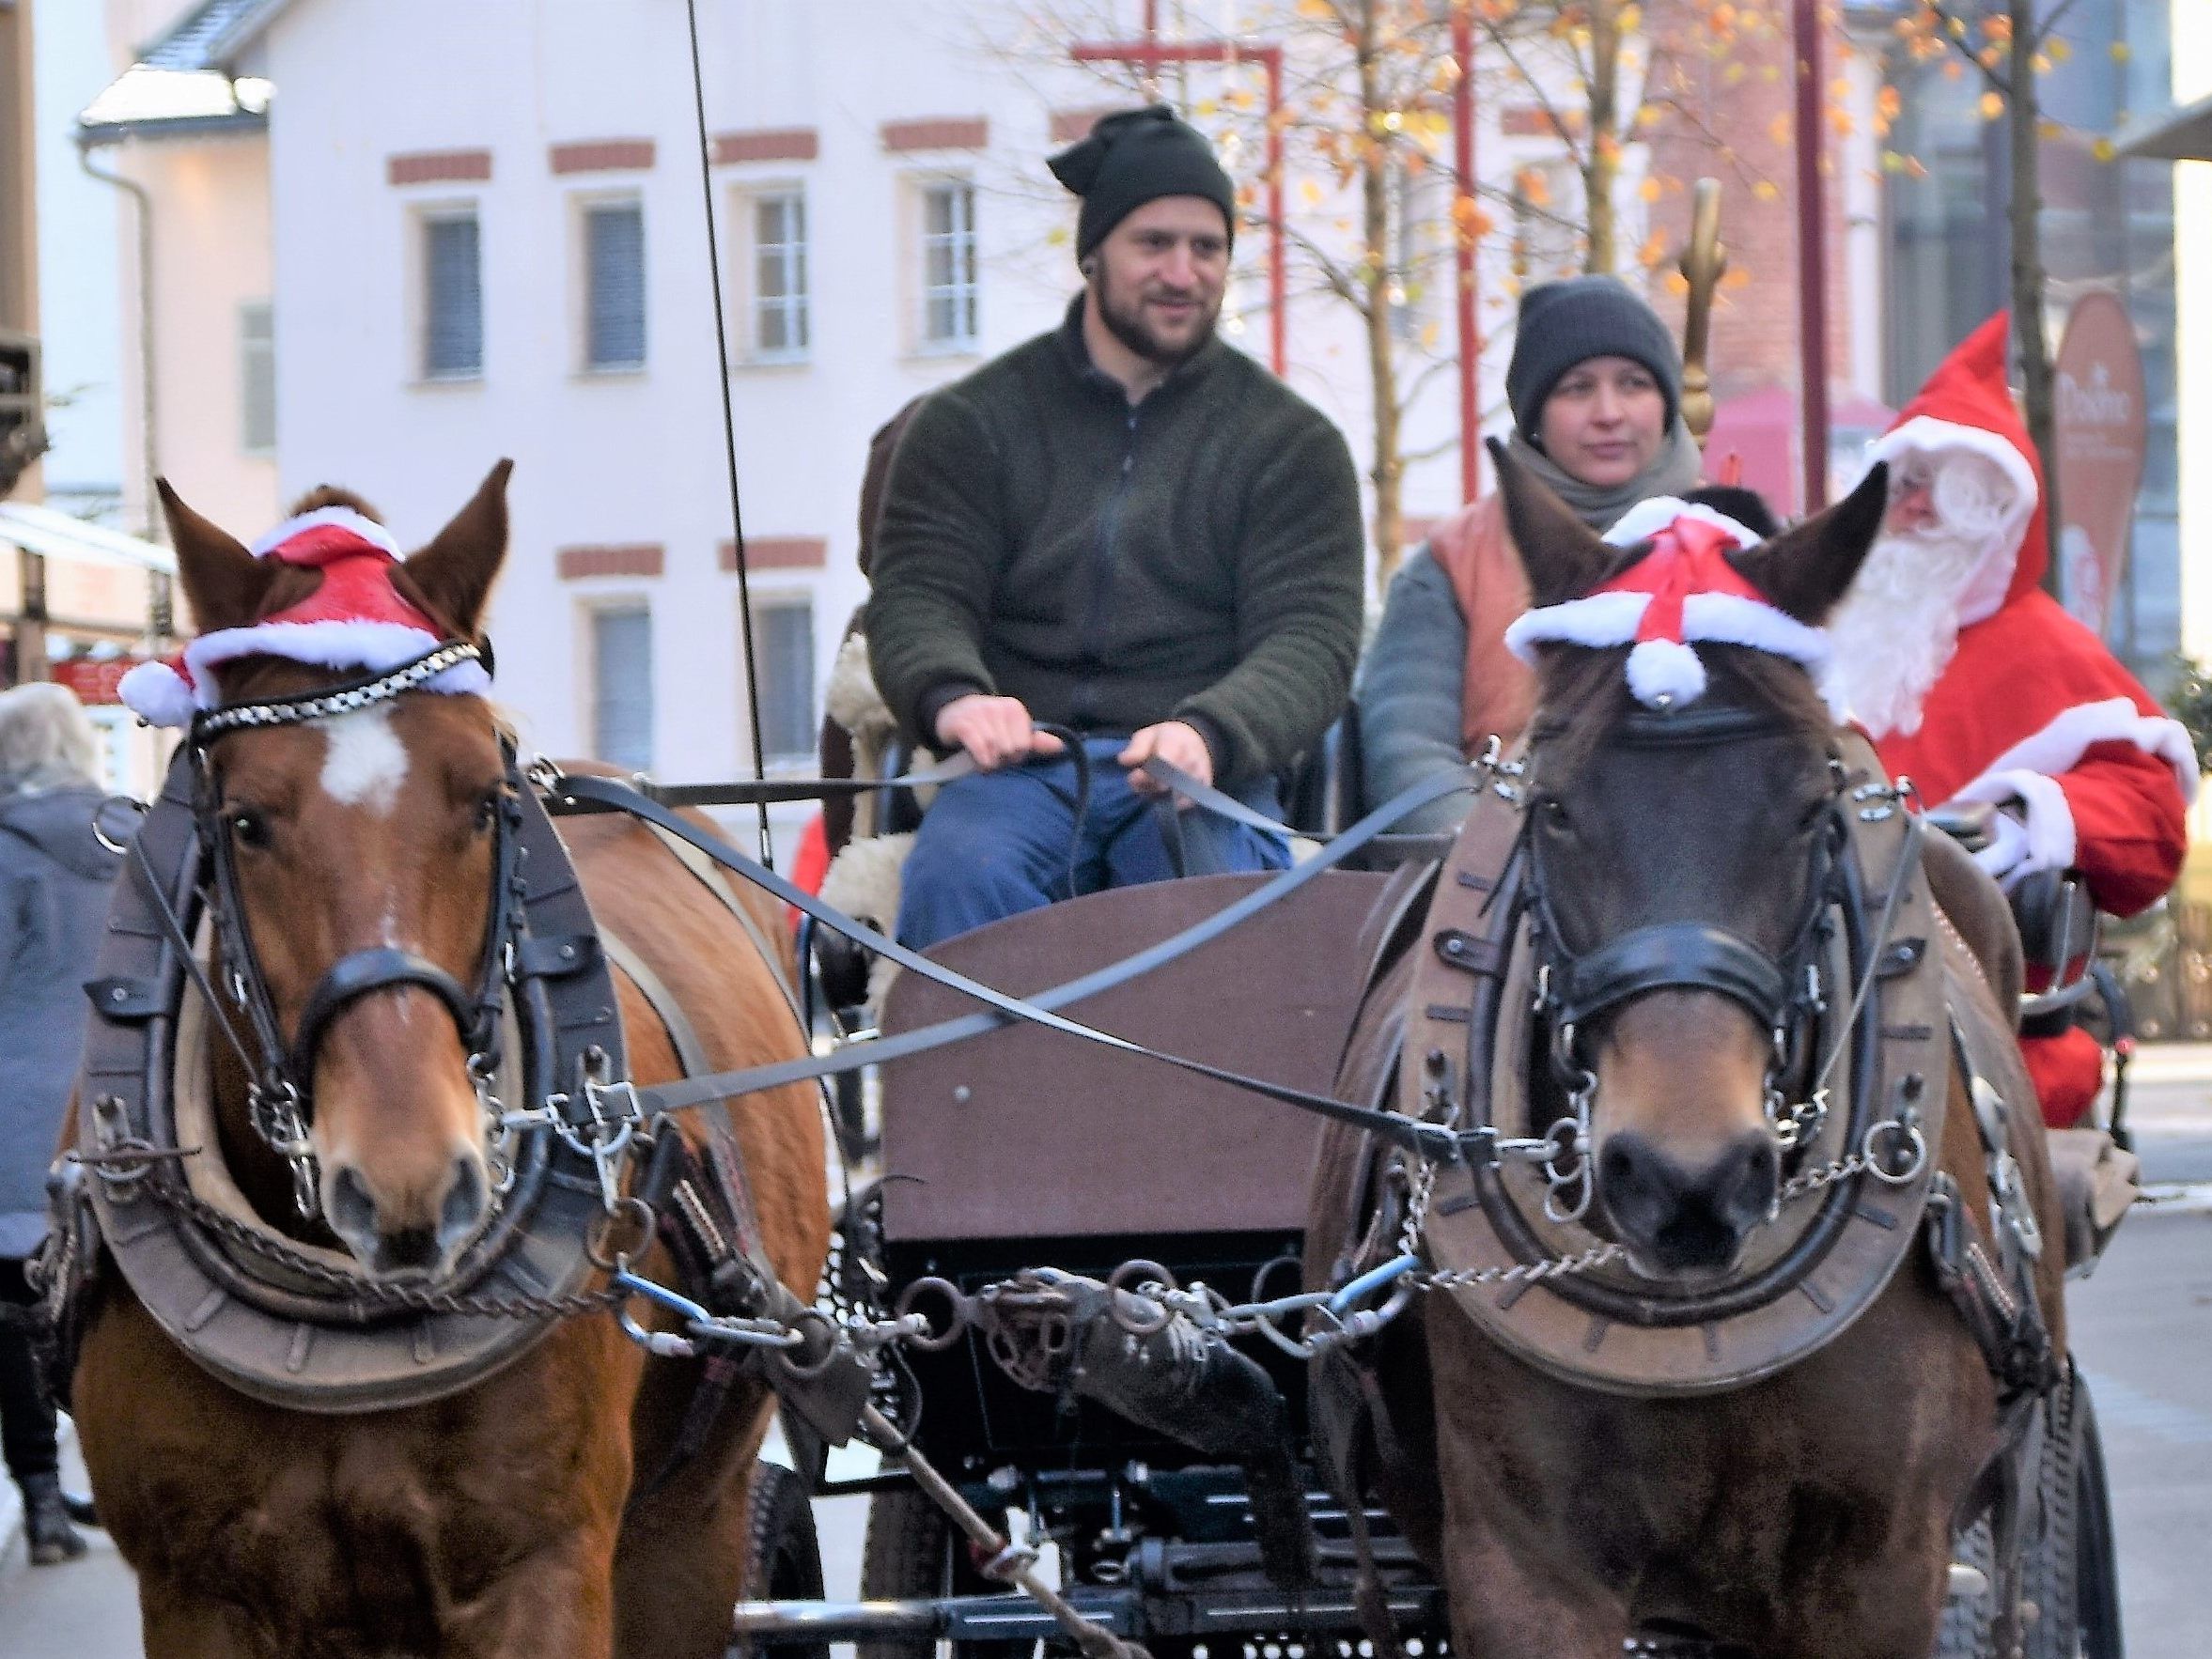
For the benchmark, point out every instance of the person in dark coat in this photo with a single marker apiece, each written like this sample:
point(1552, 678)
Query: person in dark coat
point(54, 892)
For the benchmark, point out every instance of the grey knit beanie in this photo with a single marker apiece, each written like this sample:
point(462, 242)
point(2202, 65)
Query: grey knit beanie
point(1566, 322)
point(1135, 156)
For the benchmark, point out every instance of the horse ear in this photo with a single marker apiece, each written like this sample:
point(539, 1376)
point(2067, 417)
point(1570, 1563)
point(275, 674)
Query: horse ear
point(223, 583)
point(1809, 566)
point(1562, 557)
point(456, 570)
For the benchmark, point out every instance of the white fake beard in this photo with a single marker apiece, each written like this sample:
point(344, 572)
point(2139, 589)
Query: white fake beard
point(1895, 633)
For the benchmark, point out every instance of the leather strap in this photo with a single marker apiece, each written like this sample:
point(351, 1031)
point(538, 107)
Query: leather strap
point(358, 975)
point(1675, 954)
point(1434, 1140)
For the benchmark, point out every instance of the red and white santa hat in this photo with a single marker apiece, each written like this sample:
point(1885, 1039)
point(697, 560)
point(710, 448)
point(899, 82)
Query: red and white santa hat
point(1966, 408)
point(1681, 594)
point(355, 618)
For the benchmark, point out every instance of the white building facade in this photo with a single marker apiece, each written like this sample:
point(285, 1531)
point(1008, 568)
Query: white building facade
point(483, 235)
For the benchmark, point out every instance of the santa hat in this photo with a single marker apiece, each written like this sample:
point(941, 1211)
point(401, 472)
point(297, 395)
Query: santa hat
point(1681, 593)
point(1967, 405)
point(355, 618)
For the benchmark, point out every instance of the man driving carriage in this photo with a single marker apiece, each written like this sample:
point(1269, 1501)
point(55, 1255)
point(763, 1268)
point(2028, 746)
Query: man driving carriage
point(1126, 529)
point(1976, 685)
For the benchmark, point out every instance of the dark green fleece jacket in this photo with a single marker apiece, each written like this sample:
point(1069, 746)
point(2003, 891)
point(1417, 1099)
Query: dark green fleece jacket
point(1196, 556)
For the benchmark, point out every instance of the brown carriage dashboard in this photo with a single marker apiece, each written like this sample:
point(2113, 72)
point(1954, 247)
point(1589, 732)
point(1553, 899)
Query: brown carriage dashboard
point(1028, 1133)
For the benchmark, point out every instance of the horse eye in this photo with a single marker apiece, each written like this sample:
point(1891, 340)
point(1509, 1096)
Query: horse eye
point(488, 811)
point(1555, 812)
point(249, 827)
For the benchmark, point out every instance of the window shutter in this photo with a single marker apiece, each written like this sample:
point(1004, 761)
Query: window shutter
point(783, 644)
point(622, 687)
point(256, 374)
point(615, 257)
point(453, 334)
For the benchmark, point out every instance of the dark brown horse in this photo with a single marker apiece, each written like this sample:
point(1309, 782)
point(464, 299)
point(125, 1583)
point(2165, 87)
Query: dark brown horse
point(1807, 1514)
point(499, 1520)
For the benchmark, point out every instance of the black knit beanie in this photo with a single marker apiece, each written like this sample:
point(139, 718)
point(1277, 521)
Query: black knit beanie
point(1563, 323)
point(1135, 156)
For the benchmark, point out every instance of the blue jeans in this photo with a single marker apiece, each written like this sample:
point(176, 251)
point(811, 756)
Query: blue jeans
point(995, 844)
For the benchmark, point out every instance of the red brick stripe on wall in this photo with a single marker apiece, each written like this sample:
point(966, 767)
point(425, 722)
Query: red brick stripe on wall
point(945, 132)
point(629, 559)
point(444, 167)
point(603, 155)
point(1071, 125)
point(766, 144)
point(778, 553)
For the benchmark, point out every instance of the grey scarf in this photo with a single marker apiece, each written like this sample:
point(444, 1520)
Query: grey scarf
point(1673, 471)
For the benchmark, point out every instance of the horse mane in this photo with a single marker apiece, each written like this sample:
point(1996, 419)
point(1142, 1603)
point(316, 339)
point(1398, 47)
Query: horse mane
point(330, 495)
point(1584, 693)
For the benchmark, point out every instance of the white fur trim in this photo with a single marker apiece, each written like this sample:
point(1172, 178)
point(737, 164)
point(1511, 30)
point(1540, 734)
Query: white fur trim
point(1985, 588)
point(1730, 619)
point(2049, 819)
point(865, 880)
point(1597, 620)
point(851, 698)
point(1646, 519)
point(2060, 746)
point(371, 646)
point(157, 694)
point(1665, 673)
point(342, 517)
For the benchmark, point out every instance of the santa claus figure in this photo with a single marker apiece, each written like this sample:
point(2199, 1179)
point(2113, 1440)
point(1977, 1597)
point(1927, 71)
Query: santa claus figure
point(1976, 685)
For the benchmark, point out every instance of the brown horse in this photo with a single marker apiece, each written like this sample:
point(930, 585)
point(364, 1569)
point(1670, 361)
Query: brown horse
point(1805, 1516)
point(499, 1520)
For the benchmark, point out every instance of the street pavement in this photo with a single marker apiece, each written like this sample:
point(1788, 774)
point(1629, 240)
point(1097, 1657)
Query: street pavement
point(2142, 1330)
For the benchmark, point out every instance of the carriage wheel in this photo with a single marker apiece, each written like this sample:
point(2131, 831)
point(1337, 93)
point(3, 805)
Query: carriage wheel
point(2069, 1574)
point(1964, 1633)
point(783, 1558)
point(911, 1550)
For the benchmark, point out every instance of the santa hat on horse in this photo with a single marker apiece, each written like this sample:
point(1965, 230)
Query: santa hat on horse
point(356, 618)
point(1680, 593)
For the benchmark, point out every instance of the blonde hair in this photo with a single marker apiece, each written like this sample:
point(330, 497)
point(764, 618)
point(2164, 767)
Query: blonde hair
point(43, 728)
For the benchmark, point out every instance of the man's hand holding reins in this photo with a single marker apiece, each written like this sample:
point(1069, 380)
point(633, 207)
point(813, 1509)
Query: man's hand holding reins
point(994, 730)
point(1174, 741)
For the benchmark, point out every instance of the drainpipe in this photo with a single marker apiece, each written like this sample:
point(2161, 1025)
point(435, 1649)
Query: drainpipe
point(161, 605)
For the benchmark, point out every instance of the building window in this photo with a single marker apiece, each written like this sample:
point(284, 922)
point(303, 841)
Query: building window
point(453, 297)
point(257, 378)
point(783, 661)
point(779, 275)
point(948, 266)
point(622, 687)
point(615, 285)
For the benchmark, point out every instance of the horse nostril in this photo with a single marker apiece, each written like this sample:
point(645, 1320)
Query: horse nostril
point(352, 1211)
point(464, 1202)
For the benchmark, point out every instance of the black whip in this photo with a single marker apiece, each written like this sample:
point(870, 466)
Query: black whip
point(729, 427)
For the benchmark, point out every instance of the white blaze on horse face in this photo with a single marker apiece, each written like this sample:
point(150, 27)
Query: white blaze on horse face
point(364, 762)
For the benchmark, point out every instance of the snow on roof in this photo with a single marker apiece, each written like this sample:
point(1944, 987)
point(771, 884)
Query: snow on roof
point(181, 82)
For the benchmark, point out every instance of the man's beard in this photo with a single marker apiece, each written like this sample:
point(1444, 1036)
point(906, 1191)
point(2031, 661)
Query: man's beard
point(1125, 320)
point(1895, 633)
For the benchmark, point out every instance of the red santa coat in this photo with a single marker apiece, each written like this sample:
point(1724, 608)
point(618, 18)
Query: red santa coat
point(2033, 706)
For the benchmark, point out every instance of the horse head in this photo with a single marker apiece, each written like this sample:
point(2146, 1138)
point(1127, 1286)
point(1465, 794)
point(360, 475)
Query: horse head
point(360, 850)
point(1679, 851)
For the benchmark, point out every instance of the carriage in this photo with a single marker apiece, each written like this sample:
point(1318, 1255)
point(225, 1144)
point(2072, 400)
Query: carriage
point(1111, 1165)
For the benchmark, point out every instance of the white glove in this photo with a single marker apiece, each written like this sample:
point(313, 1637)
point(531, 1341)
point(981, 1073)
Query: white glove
point(2006, 857)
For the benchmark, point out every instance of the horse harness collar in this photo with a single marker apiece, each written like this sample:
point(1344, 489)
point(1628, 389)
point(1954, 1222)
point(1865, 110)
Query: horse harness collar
point(579, 1179)
point(1858, 1008)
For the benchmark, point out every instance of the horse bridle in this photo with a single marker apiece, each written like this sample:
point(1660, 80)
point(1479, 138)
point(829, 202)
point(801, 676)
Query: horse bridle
point(1783, 993)
point(280, 1078)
